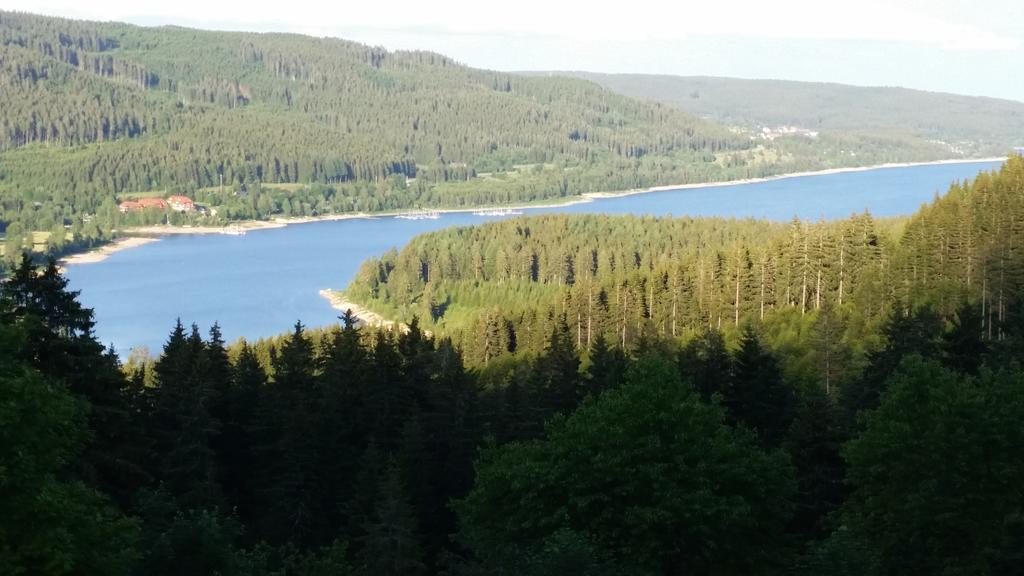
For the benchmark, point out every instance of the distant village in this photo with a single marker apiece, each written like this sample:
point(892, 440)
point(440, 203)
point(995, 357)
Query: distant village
point(770, 134)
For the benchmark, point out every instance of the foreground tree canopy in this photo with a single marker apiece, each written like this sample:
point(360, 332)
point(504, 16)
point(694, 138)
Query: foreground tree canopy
point(648, 473)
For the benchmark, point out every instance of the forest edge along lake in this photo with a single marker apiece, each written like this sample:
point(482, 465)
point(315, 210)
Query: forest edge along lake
point(258, 284)
point(136, 236)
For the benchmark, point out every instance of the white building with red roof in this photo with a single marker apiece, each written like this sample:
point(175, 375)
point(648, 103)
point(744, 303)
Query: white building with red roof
point(181, 203)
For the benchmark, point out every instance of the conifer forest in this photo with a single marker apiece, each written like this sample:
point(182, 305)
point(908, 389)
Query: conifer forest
point(560, 394)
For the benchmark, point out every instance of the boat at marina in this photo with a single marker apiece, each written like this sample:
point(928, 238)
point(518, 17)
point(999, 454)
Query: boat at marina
point(498, 212)
point(420, 215)
point(234, 230)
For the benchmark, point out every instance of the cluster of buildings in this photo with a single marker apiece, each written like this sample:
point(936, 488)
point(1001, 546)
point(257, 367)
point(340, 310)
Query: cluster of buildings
point(176, 203)
point(767, 133)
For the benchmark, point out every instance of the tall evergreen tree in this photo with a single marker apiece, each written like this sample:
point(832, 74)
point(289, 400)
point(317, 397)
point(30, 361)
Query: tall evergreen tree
point(182, 425)
point(831, 354)
point(59, 342)
point(288, 480)
point(556, 374)
point(240, 433)
point(813, 441)
point(963, 345)
point(606, 368)
point(705, 361)
point(757, 395)
point(341, 427)
point(392, 544)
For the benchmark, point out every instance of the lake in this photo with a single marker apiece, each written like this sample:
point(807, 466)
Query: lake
point(261, 283)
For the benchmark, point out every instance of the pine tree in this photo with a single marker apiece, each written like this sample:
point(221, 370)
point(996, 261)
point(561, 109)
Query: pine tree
point(183, 427)
point(831, 355)
point(706, 363)
point(239, 432)
point(556, 373)
point(963, 345)
point(60, 344)
point(813, 442)
point(606, 368)
point(392, 545)
point(388, 394)
point(217, 377)
point(341, 430)
point(287, 482)
point(757, 395)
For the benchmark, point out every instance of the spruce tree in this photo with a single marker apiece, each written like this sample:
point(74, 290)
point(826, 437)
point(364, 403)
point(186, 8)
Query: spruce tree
point(239, 432)
point(831, 355)
point(183, 427)
point(606, 368)
point(757, 395)
point(288, 456)
point(705, 362)
point(813, 442)
point(341, 429)
point(59, 342)
point(963, 345)
point(392, 545)
point(556, 374)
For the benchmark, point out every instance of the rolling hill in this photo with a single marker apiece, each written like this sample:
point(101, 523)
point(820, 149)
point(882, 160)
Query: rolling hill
point(967, 124)
point(260, 125)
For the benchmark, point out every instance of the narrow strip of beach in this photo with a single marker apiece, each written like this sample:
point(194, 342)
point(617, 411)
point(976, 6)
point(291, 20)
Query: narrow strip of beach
point(788, 175)
point(244, 225)
point(103, 252)
point(369, 318)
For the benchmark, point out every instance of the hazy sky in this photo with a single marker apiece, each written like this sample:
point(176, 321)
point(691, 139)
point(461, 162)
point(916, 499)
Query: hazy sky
point(962, 46)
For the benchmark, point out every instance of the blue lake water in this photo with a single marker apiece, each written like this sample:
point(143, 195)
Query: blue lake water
point(261, 283)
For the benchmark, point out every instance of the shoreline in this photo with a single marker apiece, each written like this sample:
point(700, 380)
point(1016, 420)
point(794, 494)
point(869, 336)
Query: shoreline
point(103, 252)
point(138, 236)
point(365, 316)
point(245, 225)
point(786, 176)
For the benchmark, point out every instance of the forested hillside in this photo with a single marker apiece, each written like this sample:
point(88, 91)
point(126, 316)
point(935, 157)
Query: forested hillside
point(500, 287)
point(262, 125)
point(93, 111)
point(971, 125)
point(897, 449)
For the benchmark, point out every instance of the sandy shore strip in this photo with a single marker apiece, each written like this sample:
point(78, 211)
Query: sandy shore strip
point(103, 252)
point(365, 317)
point(244, 225)
point(826, 172)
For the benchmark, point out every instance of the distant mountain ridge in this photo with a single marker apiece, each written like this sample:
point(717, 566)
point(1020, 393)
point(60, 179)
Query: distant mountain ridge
point(978, 125)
